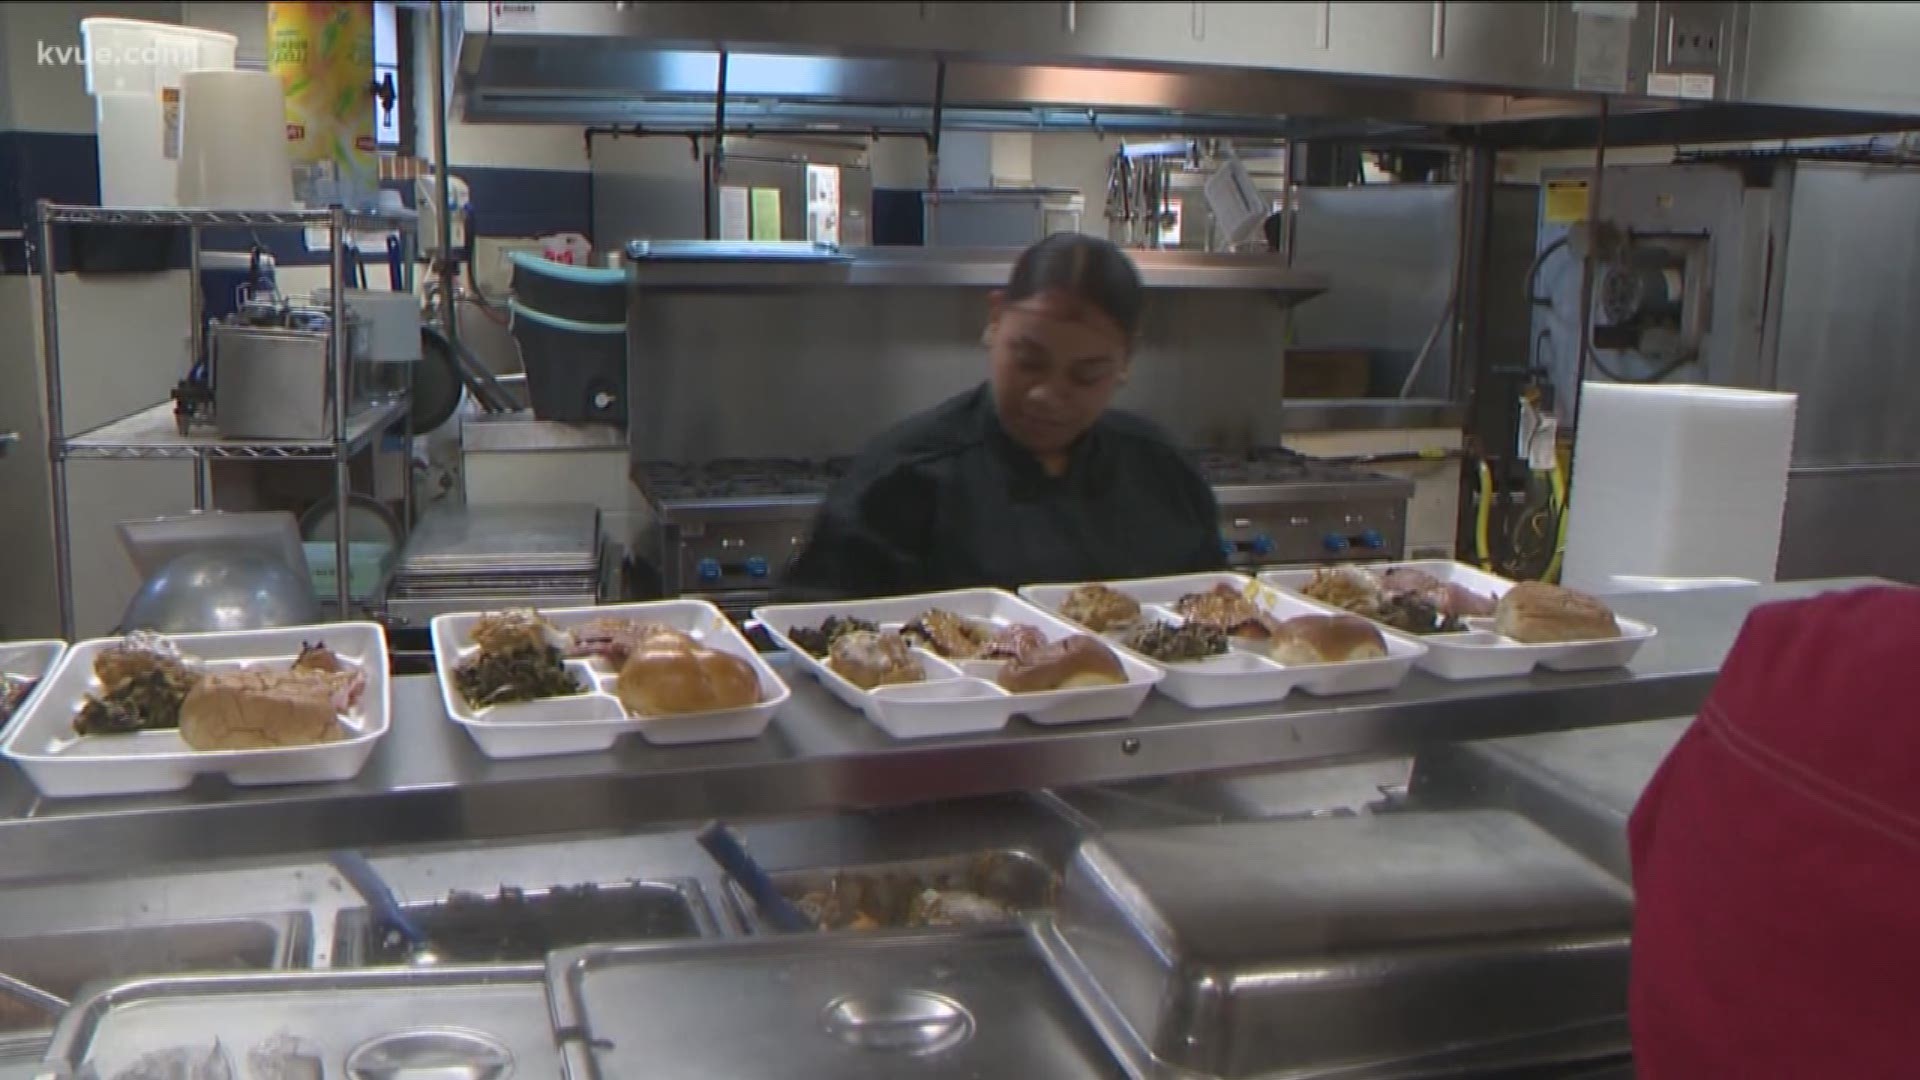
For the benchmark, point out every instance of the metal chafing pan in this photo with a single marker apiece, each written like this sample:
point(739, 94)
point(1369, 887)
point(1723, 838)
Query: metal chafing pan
point(941, 1005)
point(1392, 945)
point(470, 1023)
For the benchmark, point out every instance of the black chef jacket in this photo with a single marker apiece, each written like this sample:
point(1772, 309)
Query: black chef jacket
point(948, 500)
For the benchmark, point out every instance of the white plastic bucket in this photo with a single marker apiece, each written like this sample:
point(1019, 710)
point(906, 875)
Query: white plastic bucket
point(134, 71)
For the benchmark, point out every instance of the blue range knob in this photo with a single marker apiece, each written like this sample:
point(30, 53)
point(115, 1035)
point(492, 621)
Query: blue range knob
point(708, 569)
point(1263, 544)
point(1372, 539)
point(757, 567)
point(1334, 542)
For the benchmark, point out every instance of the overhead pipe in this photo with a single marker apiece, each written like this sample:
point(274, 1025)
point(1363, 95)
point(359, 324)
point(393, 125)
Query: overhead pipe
point(716, 161)
point(930, 229)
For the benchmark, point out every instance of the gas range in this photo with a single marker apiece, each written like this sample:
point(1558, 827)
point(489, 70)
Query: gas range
point(726, 530)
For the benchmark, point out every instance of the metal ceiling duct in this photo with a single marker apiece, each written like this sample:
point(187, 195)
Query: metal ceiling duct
point(1511, 72)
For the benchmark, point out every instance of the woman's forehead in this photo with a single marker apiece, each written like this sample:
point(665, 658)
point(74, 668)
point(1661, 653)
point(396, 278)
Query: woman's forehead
point(1057, 312)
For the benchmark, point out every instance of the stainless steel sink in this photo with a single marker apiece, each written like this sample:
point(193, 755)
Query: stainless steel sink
point(523, 925)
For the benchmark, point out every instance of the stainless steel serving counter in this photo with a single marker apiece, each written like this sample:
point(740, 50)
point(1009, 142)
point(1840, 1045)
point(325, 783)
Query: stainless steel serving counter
point(427, 783)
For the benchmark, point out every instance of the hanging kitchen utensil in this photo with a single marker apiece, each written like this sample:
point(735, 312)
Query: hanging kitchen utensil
point(396, 276)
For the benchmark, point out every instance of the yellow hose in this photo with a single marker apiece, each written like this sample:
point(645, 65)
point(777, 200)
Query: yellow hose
point(1481, 548)
point(1560, 511)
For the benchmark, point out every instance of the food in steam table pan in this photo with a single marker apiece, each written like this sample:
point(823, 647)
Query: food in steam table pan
point(1404, 598)
point(1326, 639)
point(1224, 609)
point(818, 640)
point(1100, 608)
point(1535, 612)
point(668, 673)
point(521, 658)
point(515, 926)
point(147, 685)
point(1070, 663)
point(852, 900)
point(870, 658)
point(13, 694)
point(1170, 644)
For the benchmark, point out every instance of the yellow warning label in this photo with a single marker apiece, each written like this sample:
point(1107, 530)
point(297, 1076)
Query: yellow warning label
point(1566, 201)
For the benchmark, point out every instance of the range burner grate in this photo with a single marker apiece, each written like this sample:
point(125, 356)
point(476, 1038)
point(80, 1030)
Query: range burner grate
point(741, 478)
point(1270, 465)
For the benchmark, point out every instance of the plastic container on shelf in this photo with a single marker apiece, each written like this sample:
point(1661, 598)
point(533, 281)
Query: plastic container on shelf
point(594, 719)
point(588, 294)
point(134, 71)
point(62, 764)
point(958, 697)
point(576, 371)
point(1245, 675)
point(233, 153)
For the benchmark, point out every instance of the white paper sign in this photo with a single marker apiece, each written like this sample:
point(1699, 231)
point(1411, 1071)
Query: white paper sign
point(735, 213)
point(1601, 48)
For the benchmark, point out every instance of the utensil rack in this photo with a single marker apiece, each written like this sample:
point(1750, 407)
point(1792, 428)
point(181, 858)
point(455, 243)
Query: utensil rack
point(150, 434)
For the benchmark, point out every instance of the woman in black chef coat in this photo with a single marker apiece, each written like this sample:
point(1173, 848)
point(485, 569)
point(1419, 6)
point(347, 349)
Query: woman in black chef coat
point(1029, 477)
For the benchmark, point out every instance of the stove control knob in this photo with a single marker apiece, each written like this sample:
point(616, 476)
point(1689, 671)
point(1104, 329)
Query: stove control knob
point(1373, 540)
point(708, 569)
point(756, 567)
point(1263, 544)
point(1334, 542)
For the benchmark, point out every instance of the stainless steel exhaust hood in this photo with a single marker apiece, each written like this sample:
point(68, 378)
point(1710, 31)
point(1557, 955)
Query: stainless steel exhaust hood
point(1517, 73)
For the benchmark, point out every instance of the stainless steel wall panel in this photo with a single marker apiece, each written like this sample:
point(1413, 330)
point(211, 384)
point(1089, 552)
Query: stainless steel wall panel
point(1389, 254)
point(1849, 340)
point(818, 372)
point(1859, 519)
point(1831, 55)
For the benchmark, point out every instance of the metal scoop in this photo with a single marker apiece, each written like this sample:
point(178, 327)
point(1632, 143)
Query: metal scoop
point(374, 890)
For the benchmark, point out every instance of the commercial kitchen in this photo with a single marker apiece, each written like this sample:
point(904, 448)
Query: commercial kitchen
point(412, 416)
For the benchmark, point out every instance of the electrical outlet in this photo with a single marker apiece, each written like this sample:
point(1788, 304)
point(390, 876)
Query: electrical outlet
point(1693, 43)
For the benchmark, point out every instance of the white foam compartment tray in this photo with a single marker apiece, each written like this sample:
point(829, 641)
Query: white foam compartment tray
point(962, 697)
point(62, 764)
point(28, 660)
point(1478, 652)
point(595, 719)
point(1245, 675)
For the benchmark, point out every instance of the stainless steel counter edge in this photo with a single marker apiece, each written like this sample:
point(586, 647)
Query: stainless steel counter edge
point(962, 268)
point(428, 783)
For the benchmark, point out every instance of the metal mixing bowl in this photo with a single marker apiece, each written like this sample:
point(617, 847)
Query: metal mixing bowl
point(222, 589)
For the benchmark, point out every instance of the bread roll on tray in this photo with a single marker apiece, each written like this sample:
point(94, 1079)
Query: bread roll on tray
point(1326, 639)
point(673, 676)
point(1535, 613)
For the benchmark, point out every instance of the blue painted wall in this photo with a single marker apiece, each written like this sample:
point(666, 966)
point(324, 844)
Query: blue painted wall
point(64, 167)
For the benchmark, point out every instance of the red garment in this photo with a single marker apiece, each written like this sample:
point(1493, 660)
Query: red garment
point(1776, 856)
